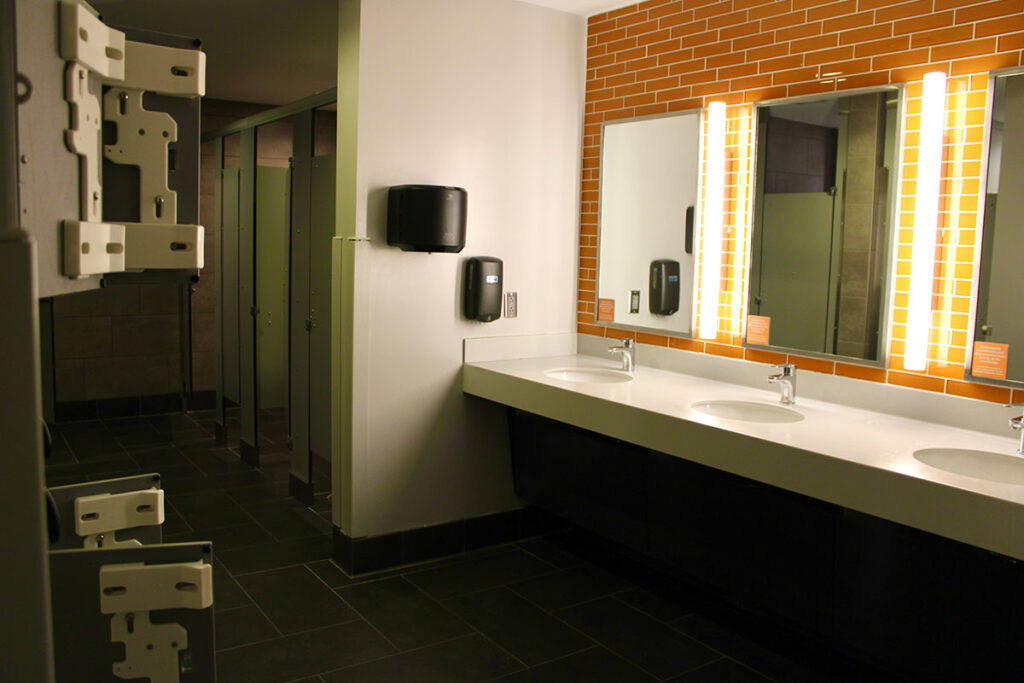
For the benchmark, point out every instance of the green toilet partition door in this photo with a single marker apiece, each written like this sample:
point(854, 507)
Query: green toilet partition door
point(273, 201)
point(322, 234)
point(796, 265)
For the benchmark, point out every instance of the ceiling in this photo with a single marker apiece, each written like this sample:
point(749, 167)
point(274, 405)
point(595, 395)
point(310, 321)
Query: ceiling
point(581, 7)
point(263, 51)
point(266, 51)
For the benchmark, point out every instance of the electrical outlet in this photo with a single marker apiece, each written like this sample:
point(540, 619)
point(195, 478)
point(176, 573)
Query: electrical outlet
point(511, 305)
point(634, 301)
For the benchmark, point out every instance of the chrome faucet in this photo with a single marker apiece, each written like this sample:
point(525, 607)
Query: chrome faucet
point(627, 354)
point(786, 381)
point(1017, 425)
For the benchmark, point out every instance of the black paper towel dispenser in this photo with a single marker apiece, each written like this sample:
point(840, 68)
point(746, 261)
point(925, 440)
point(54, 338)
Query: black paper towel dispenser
point(482, 289)
point(664, 297)
point(427, 218)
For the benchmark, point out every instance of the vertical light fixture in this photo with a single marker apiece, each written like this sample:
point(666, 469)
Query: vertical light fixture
point(926, 220)
point(711, 237)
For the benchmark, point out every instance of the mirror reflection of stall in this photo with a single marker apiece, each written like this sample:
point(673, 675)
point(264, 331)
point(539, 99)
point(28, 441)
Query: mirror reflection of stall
point(999, 326)
point(649, 171)
point(823, 208)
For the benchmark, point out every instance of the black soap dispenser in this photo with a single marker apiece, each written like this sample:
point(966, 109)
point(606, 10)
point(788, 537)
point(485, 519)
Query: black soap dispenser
point(482, 289)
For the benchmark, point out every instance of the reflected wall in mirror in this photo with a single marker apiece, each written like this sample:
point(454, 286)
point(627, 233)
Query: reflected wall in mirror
point(823, 207)
point(649, 170)
point(999, 327)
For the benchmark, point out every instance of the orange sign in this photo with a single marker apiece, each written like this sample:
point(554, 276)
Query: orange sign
point(758, 329)
point(606, 310)
point(990, 360)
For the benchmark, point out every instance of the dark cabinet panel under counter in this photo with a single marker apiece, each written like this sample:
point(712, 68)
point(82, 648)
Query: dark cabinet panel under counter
point(767, 549)
point(589, 479)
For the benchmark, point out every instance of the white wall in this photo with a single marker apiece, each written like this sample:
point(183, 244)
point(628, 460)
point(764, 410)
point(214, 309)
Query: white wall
point(482, 94)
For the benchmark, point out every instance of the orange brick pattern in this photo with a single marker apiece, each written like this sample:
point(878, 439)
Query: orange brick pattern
point(661, 56)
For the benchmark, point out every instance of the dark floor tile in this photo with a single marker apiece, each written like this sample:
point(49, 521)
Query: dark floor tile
point(220, 483)
point(145, 439)
point(60, 457)
point(721, 671)
point(467, 659)
point(660, 604)
point(93, 443)
point(479, 572)
point(219, 460)
point(128, 425)
point(400, 611)
point(570, 586)
point(276, 555)
point(740, 638)
point(173, 522)
point(158, 456)
point(288, 519)
point(530, 634)
point(227, 594)
point(551, 552)
point(647, 643)
point(207, 510)
point(301, 654)
point(241, 626)
point(260, 491)
point(226, 538)
point(294, 599)
point(329, 573)
point(172, 474)
point(596, 665)
point(84, 470)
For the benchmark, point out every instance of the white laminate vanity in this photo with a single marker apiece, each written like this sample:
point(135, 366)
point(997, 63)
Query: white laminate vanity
point(853, 469)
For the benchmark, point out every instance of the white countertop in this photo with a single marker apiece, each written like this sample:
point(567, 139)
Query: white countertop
point(855, 458)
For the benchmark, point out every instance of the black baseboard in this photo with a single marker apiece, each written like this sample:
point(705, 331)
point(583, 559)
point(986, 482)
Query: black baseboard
point(300, 490)
point(374, 553)
point(128, 406)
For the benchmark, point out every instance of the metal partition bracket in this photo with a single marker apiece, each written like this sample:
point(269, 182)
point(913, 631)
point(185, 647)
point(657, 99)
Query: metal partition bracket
point(155, 245)
point(130, 592)
point(88, 41)
point(164, 70)
point(143, 139)
point(98, 55)
point(84, 137)
point(138, 587)
point(108, 512)
point(93, 248)
point(151, 651)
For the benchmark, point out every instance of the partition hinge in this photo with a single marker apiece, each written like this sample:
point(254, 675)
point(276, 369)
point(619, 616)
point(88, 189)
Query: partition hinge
point(98, 517)
point(129, 592)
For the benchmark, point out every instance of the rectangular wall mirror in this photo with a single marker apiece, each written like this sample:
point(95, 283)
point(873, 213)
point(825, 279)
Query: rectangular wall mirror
point(649, 172)
point(999, 326)
point(823, 210)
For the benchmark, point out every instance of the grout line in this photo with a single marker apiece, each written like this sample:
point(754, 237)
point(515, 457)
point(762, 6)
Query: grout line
point(398, 653)
point(285, 635)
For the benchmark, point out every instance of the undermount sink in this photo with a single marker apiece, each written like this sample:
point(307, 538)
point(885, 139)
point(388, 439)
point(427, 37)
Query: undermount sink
point(592, 375)
point(747, 411)
point(1006, 469)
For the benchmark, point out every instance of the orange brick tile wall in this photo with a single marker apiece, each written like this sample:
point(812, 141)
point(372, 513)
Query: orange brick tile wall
point(662, 56)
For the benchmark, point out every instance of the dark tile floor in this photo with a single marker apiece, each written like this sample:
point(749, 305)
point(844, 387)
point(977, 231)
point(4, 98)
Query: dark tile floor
point(559, 608)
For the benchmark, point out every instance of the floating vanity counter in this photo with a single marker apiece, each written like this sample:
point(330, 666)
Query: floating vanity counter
point(854, 458)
